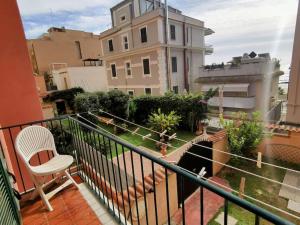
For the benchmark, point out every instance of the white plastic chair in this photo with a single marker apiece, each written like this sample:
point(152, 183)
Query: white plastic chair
point(32, 140)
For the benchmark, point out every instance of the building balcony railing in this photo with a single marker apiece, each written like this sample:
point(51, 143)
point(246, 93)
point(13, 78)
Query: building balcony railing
point(209, 49)
point(250, 69)
point(234, 102)
point(136, 186)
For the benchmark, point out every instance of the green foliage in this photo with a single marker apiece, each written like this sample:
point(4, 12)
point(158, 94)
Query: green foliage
point(115, 102)
point(281, 91)
point(160, 121)
point(67, 95)
point(119, 103)
point(190, 107)
point(244, 135)
point(62, 139)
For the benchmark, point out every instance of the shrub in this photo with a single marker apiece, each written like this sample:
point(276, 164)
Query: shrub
point(244, 135)
point(67, 95)
point(118, 103)
point(160, 121)
point(115, 102)
point(190, 107)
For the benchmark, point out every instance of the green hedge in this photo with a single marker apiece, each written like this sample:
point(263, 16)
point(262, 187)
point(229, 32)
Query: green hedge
point(67, 95)
point(189, 107)
point(114, 101)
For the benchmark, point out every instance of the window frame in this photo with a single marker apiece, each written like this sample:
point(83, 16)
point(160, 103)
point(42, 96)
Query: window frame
point(144, 27)
point(131, 90)
point(111, 72)
point(112, 45)
point(177, 89)
point(123, 42)
point(174, 33)
point(125, 69)
point(123, 21)
point(172, 66)
point(146, 75)
point(78, 47)
point(149, 89)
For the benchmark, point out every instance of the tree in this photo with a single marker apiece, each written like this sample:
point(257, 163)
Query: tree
point(244, 135)
point(160, 121)
point(281, 91)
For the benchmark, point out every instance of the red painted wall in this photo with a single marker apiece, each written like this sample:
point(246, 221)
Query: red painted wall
point(19, 102)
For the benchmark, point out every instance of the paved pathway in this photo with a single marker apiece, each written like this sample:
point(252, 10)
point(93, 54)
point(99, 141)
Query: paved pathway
point(293, 179)
point(212, 204)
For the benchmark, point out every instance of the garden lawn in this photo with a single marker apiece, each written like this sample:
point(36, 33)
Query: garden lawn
point(257, 188)
point(135, 139)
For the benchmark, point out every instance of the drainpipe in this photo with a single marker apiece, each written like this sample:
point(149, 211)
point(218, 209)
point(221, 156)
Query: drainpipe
point(168, 53)
point(185, 72)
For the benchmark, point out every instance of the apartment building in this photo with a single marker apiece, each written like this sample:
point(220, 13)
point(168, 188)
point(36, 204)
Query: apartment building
point(247, 83)
point(293, 105)
point(60, 48)
point(145, 53)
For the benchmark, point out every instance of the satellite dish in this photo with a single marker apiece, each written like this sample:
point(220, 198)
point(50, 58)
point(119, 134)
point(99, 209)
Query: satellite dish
point(252, 54)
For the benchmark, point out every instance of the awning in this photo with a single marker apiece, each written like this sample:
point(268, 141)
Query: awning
point(227, 87)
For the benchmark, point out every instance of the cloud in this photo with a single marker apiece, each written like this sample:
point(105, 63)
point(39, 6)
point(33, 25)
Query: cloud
point(240, 25)
point(246, 25)
point(33, 7)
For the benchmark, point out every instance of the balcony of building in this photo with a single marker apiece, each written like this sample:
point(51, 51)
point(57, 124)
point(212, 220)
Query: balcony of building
point(251, 70)
point(209, 49)
point(136, 187)
point(233, 102)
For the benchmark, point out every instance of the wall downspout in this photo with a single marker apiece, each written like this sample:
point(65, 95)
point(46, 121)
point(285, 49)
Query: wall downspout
point(169, 82)
point(185, 72)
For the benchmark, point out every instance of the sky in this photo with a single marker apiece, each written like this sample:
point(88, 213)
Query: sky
point(241, 26)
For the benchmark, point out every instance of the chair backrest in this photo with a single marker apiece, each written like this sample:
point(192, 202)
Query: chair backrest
point(34, 139)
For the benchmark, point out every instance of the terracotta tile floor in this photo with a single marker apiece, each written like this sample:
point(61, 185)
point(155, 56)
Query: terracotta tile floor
point(70, 208)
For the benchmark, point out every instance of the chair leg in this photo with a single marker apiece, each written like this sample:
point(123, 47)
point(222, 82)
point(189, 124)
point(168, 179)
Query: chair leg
point(44, 198)
point(70, 177)
point(39, 189)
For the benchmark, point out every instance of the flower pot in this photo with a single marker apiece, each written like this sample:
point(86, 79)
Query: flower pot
point(163, 149)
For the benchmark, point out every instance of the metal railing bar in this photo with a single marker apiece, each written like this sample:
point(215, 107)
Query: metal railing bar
point(95, 164)
point(182, 198)
point(107, 166)
point(127, 186)
point(154, 192)
point(134, 186)
point(234, 199)
point(114, 177)
point(144, 189)
point(17, 159)
point(120, 178)
point(167, 195)
point(201, 205)
point(225, 212)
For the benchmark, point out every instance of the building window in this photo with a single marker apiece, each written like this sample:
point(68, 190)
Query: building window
point(123, 18)
point(113, 70)
point(130, 92)
point(128, 69)
point(78, 47)
point(174, 64)
point(110, 45)
point(172, 32)
point(148, 91)
point(146, 66)
point(125, 42)
point(175, 89)
point(187, 35)
point(143, 34)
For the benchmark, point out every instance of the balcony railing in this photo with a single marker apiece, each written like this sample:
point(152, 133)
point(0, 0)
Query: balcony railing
point(234, 102)
point(136, 187)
